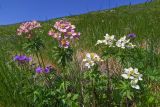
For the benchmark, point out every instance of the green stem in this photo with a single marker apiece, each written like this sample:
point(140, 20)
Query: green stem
point(38, 58)
point(47, 78)
point(81, 92)
point(42, 59)
point(94, 94)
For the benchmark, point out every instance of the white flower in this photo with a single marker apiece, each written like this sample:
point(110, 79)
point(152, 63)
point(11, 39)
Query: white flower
point(135, 71)
point(122, 42)
point(88, 56)
point(97, 58)
point(139, 77)
point(133, 75)
point(84, 60)
point(89, 64)
point(134, 84)
point(129, 73)
point(90, 60)
point(99, 42)
point(109, 40)
point(130, 45)
point(125, 76)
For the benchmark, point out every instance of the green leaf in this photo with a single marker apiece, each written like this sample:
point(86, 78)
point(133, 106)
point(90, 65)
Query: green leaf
point(75, 97)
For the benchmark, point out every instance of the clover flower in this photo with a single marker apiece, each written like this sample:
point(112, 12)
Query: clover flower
point(91, 59)
point(45, 70)
point(109, 40)
point(65, 33)
point(27, 27)
point(133, 75)
point(22, 59)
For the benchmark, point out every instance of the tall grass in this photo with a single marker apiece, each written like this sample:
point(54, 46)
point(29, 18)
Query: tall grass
point(143, 20)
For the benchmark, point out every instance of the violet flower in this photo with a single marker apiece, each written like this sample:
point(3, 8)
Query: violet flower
point(45, 70)
point(39, 70)
point(22, 58)
point(131, 35)
point(15, 57)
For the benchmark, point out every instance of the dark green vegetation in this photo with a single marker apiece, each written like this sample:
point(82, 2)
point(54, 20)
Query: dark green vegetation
point(143, 20)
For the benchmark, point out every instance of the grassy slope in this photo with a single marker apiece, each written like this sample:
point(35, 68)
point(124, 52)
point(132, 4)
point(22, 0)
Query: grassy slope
point(143, 20)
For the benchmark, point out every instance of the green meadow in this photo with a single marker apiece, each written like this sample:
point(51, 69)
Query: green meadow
point(70, 85)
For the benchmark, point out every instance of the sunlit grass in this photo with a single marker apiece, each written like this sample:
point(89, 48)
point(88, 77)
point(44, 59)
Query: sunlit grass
point(143, 20)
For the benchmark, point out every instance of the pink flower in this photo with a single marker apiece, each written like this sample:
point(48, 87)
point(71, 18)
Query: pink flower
point(64, 43)
point(65, 33)
point(51, 32)
point(76, 34)
point(56, 35)
point(63, 26)
point(26, 27)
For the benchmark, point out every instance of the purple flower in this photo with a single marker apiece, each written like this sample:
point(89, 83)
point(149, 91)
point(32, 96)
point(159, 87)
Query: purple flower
point(39, 70)
point(45, 70)
point(22, 59)
point(28, 59)
point(76, 35)
point(48, 69)
point(131, 35)
point(15, 57)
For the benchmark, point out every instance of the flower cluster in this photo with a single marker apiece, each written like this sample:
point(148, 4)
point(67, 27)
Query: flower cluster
point(65, 32)
point(54, 34)
point(123, 42)
point(91, 59)
point(109, 40)
point(133, 75)
point(45, 70)
point(26, 27)
point(64, 26)
point(22, 59)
